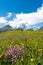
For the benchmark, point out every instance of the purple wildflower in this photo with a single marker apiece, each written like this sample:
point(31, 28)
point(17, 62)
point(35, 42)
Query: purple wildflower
point(14, 58)
point(15, 53)
point(11, 50)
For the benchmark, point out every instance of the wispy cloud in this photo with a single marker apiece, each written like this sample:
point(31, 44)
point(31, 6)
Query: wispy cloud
point(26, 18)
point(3, 20)
point(9, 15)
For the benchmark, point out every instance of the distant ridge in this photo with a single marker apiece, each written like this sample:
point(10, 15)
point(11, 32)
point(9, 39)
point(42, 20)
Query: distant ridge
point(22, 27)
point(5, 28)
point(41, 28)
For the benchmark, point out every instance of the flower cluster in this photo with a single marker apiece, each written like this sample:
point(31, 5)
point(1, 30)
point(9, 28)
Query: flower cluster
point(15, 52)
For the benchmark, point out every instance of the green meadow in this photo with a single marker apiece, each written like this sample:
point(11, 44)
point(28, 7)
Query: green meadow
point(33, 47)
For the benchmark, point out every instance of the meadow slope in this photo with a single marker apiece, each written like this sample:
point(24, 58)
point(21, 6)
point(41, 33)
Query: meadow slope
point(33, 45)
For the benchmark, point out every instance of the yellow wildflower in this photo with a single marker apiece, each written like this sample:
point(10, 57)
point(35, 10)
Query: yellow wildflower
point(32, 59)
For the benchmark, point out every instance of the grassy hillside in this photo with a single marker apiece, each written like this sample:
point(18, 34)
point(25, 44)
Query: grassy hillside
point(33, 45)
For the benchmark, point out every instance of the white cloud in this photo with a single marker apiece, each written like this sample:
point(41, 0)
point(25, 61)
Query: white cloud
point(9, 15)
point(30, 18)
point(26, 18)
point(3, 20)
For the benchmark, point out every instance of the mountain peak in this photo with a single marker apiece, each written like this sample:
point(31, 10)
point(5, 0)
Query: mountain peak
point(41, 28)
point(7, 26)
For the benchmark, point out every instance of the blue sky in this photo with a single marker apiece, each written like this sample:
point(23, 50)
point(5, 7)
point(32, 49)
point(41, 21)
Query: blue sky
point(10, 10)
point(18, 6)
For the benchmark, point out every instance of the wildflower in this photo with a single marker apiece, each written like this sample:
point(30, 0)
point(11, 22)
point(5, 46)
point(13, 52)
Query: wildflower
point(22, 59)
point(39, 50)
point(32, 59)
point(14, 58)
point(11, 50)
point(15, 53)
point(23, 46)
